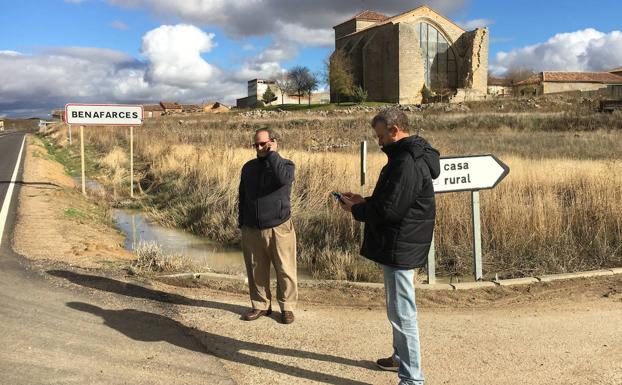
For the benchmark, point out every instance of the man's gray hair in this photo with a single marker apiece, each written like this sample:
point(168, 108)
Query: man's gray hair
point(266, 129)
point(392, 116)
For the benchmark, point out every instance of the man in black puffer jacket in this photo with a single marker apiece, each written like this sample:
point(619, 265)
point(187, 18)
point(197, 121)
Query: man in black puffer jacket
point(268, 235)
point(399, 223)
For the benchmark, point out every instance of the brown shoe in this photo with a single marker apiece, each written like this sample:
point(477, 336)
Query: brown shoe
point(255, 314)
point(287, 317)
point(388, 364)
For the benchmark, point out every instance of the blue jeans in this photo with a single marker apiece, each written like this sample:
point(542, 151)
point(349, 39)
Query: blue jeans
point(402, 312)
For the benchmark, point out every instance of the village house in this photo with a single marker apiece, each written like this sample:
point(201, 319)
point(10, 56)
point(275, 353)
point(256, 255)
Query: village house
point(152, 110)
point(499, 87)
point(549, 82)
point(191, 108)
point(171, 108)
point(257, 87)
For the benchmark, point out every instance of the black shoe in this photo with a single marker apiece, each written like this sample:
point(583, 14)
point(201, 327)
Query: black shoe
point(255, 314)
point(388, 364)
point(287, 317)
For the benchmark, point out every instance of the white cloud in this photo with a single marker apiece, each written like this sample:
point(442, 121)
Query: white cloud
point(304, 22)
point(174, 53)
point(121, 26)
point(10, 53)
point(583, 50)
point(317, 37)
point(475, 23)
point(266, 65)
point(173, 70)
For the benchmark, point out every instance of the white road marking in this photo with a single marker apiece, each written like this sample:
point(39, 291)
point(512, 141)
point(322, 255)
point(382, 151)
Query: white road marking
point(4, 212)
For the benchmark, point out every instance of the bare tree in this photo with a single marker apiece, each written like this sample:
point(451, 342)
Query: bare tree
point(515, 75)
point(284, 84)
point(300, 80)
point(440, 85)
point(311, 84)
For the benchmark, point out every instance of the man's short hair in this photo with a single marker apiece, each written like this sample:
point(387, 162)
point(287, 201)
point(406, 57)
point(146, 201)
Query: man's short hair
point(392, 116)
point(265, 129)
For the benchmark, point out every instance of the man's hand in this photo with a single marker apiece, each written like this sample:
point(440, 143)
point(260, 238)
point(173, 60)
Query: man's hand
point(345, 203)
point(272, 146)
point(354, 198)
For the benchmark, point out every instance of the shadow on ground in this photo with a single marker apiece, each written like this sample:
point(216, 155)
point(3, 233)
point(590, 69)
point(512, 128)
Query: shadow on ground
point(149, 327)
point(137, 291)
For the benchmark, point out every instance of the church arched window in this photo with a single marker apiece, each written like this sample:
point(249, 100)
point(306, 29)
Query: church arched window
point(439, 60)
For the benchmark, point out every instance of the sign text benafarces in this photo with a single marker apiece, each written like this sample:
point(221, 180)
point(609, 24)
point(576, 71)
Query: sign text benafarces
point(104, 114)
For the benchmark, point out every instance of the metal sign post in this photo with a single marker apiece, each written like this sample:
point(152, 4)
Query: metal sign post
point(104, 115)
point(131, 161)
point(431, 264)
point(82, 160)
point(70, 135)
point(363, 180)
point(363, 162)
point(477, 236)
point(468, 173)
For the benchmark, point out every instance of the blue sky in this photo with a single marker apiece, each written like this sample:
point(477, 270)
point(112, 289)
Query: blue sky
point(123, 51)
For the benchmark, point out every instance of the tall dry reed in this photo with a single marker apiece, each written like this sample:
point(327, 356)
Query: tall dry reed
point(559, 209)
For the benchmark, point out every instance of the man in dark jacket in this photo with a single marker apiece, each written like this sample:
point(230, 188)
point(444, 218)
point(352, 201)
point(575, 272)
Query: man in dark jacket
point(399, 223)
point(267, 231)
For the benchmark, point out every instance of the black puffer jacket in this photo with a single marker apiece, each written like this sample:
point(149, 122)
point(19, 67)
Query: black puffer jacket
point(265, 190)
point(399, 216)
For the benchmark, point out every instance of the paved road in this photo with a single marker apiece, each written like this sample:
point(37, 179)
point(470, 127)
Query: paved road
point(52, 334)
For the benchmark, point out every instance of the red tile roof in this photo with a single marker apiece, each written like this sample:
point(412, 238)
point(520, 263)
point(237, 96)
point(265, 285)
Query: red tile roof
point(572, 77)
point(582, 77)
point(368, 16)
point(152, 107)
point(533, 79)
point(616, 70)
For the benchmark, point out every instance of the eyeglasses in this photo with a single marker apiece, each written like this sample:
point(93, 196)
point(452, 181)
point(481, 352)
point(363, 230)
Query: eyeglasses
point(260, 144)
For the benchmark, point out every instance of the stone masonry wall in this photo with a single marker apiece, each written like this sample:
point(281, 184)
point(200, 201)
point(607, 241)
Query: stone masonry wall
point(474, 71)
point(410, 68)
point(380, 65)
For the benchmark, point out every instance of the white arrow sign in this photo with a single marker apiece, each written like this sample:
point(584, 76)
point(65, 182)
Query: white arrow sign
point(469, 173)
point(104, 114)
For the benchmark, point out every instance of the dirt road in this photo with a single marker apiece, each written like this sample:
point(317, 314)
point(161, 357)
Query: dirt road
point(70, 335)
point(567, 332)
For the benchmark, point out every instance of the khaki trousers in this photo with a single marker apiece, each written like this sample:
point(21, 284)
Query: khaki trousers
point(276, 245)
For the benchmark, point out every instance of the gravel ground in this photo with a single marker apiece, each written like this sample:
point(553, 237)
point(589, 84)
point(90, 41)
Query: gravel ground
point(562, 333)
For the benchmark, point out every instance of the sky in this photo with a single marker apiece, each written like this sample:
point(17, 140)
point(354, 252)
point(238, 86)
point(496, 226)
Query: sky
point(54, 52)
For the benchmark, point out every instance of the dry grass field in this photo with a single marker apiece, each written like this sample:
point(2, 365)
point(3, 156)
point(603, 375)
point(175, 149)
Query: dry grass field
point(559, 209)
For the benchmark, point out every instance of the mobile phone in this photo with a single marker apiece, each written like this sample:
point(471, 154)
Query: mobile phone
point(337, 196)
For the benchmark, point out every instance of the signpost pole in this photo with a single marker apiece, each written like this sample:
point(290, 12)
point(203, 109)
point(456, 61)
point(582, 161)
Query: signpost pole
point(131, 161)
point(363, 162)
point(82, 159)
point(363, 178)
point(477, 236)
point(70, 142)
point(431, 263)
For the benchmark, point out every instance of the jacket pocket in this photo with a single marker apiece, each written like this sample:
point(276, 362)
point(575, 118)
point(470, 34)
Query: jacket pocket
point(269, 210)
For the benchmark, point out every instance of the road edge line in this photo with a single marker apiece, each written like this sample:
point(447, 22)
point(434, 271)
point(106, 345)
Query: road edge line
point(4, 212)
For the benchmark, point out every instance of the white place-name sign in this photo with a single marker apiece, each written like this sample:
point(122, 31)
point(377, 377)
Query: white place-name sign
point(104, 114)
point(469, 173)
